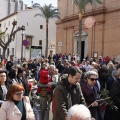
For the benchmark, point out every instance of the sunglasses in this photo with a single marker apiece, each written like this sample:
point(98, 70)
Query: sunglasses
point(92, 79)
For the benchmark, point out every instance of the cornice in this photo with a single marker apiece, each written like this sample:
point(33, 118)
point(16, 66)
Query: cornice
point(101, 10)
point(88, 13)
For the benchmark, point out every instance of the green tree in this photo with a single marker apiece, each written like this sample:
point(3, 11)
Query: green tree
point(81, 5)
point(48, 11)
point(10, 37)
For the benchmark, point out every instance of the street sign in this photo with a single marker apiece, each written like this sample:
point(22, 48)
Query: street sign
point(25, 42)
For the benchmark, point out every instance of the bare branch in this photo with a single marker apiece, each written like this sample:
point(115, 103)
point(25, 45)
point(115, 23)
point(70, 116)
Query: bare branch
point(4, 31)
point(1, 43)
point(12, 35)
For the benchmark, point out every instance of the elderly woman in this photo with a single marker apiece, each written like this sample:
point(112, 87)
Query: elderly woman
point(16, 106)
point(90, 93)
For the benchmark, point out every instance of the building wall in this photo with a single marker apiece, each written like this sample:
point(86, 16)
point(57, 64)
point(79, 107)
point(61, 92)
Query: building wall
point(4, 7)
point(32, 28)
point(103, 37)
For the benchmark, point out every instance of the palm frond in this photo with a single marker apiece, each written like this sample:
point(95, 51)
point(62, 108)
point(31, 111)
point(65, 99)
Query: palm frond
point(38, 15)
point(81, 4)
point(48, 11)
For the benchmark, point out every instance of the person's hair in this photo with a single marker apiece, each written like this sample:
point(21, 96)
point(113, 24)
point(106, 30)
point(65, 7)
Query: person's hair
point(79, 111)
point(89, 73)
point(3, 71)
point(115, 73)
point(56, 70)
point(73, 63)
point(52, 66)
point(12, 89)
point(12, 74)
point(24, 64)
point(43, 66)
point(73, 70)
point(94, 70)
point(19, 70)
point(59, 61)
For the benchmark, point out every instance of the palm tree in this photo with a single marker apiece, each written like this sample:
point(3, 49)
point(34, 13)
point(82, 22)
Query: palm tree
point(48, 11)
point(81, 5)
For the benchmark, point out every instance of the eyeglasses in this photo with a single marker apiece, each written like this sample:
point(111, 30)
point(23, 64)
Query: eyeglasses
point(19, 94)
point(92, 79)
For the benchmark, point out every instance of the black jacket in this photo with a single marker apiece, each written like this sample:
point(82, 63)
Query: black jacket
point(115, 94)
point(9, 65)
point(1, 91)
point(23, 81)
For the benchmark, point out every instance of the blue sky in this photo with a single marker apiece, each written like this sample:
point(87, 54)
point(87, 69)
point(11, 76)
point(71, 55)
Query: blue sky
point(42, 2)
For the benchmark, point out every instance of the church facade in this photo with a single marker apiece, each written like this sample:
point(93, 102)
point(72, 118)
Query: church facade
point(103, 39)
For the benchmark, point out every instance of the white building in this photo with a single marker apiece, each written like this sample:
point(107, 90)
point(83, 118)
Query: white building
point(8, 7)
point(35, 33)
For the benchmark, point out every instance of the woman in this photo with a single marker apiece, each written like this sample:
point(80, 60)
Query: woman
point(3, 86)
point(90, 93)
point(16, 106)
point(26, 70)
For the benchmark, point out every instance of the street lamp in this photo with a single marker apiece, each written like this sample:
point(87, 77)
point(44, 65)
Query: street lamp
point(22, 33)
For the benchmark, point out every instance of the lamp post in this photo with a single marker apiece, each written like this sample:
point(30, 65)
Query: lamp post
point(22, 33)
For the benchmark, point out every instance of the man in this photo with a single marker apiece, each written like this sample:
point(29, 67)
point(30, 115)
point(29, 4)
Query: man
point(60, 66)
point(67, 93)
point(46, 100)
point(87, 66)
point(20, 79)
point(9, 64)
point(112, 79)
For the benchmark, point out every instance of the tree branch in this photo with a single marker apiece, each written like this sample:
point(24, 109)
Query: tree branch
point(13, 35)
point(1, 43)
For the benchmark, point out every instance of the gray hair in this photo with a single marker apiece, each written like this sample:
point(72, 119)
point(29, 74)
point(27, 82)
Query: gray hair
point(114, 73)
point(52, 66)
point(79, 111)
point(89, 73)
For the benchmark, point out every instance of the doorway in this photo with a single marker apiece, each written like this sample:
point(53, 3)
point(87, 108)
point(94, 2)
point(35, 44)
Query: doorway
point(84, 44)
point(82, 50)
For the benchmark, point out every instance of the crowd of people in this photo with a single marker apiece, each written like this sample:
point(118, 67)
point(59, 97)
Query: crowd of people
point(73, 87)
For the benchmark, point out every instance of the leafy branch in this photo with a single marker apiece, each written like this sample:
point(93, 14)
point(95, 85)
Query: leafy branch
point(104, 98)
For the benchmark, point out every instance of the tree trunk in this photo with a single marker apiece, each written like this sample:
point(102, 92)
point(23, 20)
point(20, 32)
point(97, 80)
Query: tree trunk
point(3, 55)
point(80, 32)
point(46, 50)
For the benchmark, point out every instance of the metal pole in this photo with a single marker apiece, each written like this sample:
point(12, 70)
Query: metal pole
point(22, 47)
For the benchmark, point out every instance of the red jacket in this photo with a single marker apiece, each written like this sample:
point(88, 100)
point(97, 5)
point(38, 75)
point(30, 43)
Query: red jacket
point(44, 79)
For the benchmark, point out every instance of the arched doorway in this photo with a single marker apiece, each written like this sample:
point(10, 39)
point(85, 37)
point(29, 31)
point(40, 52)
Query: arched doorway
point(84, 43)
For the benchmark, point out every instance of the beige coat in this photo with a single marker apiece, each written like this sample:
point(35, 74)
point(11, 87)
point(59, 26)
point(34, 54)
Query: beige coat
point(9, 111)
